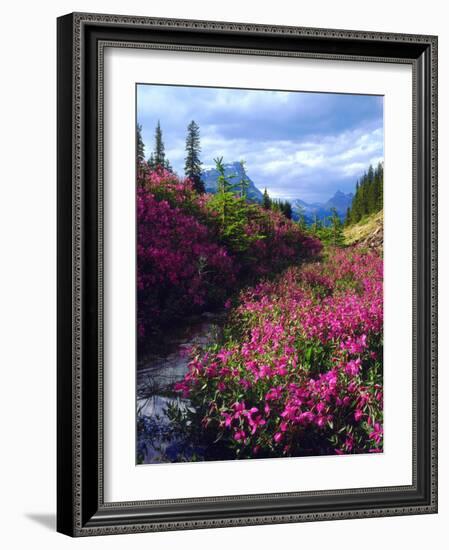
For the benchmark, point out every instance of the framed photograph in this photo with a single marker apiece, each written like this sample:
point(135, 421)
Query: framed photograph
point(247, 278)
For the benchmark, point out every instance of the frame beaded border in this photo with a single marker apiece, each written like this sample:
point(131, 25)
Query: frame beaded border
point(81, 19)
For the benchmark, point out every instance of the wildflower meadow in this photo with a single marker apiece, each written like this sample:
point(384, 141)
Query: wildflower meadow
point(297, 367)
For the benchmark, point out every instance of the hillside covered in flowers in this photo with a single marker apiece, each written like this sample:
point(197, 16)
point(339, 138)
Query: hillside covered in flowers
point(194, 249)
point(296, 369)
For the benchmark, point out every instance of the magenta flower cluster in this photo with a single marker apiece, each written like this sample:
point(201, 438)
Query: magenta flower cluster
point(185, 263)
point(180, 267)
point(283, 243)
point(300, 371)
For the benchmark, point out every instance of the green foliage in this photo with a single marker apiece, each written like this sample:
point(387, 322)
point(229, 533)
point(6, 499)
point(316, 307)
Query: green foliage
point(140, 147)
point(348, 216)
point(159, 147)
point(302, 218)
point(277, 205)
point(330, 231)
point(336, 228)
point(244, 182)
point(266, 201)
point(157, 157)
point(368, 198)
point(287, 211)
point(283, 207)
point(316, 225)
point(233, 212)
point(192, 167)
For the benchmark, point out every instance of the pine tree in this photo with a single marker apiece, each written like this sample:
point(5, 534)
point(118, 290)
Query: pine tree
point(266, 201)
point(233, 211)
point(375, 193)
point(301, 217)
point(244, 183)
point(355, 210)
point(287, 210)
point(348, 216)
point(140, 147)
point(380, 186)
point(371, 196)
point(151, 163)
point(316, 225)
point(192, 167)
point(336, 228)
point(278, 205)
point(368, 198)
point(157, 158)
point(159, 147)
point(363, 196)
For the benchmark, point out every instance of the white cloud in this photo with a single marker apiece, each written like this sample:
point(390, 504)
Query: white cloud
point(288, 168)
point(267, 131)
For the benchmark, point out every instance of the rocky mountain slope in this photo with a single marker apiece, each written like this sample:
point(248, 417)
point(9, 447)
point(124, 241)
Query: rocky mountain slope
point(368, 232)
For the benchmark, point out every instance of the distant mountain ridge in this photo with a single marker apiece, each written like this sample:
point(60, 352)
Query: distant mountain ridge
point(340, 201)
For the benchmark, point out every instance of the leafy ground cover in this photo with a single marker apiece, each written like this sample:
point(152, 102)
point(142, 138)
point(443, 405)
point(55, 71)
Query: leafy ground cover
point(300, 369)
point(194, 250)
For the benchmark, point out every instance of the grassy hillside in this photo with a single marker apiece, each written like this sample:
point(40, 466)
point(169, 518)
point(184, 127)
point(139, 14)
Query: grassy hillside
point(368, 231)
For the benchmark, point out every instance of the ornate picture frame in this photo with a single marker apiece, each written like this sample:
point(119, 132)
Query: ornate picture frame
point(82, 509)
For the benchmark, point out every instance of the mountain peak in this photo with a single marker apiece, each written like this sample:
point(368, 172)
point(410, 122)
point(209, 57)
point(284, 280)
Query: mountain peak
point(339, 194)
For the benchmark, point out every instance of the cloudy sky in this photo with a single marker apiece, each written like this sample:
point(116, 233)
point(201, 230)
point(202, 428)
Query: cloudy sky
point(296, 144)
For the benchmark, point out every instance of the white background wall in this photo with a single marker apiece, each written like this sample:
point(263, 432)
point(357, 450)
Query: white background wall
point(27, 272)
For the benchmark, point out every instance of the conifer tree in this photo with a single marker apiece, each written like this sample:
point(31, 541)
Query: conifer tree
point(157, 158)
point(159, 147)
point(380, 194)
point(244, 183)
point(348, 216)
point(140, 147)
point(316, 225)
point(168, 166)
point(266, 201)
point(301, 217)
point(287, 210)
point(233, 211)
point(150, 162)
point(336, 228)
point(278, 205)
point(355, 204)
point(368, 198)
point(192, 167)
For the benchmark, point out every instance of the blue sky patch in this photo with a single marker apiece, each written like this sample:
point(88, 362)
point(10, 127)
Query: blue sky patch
point(296, 144)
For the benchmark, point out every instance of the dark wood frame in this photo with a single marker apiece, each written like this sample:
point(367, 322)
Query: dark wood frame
point(81, 507)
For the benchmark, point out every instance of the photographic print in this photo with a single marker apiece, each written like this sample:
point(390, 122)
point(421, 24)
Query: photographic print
point(259, 277)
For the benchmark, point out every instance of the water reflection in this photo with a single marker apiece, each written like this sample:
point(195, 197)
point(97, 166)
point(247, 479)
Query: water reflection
point(156, 374)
